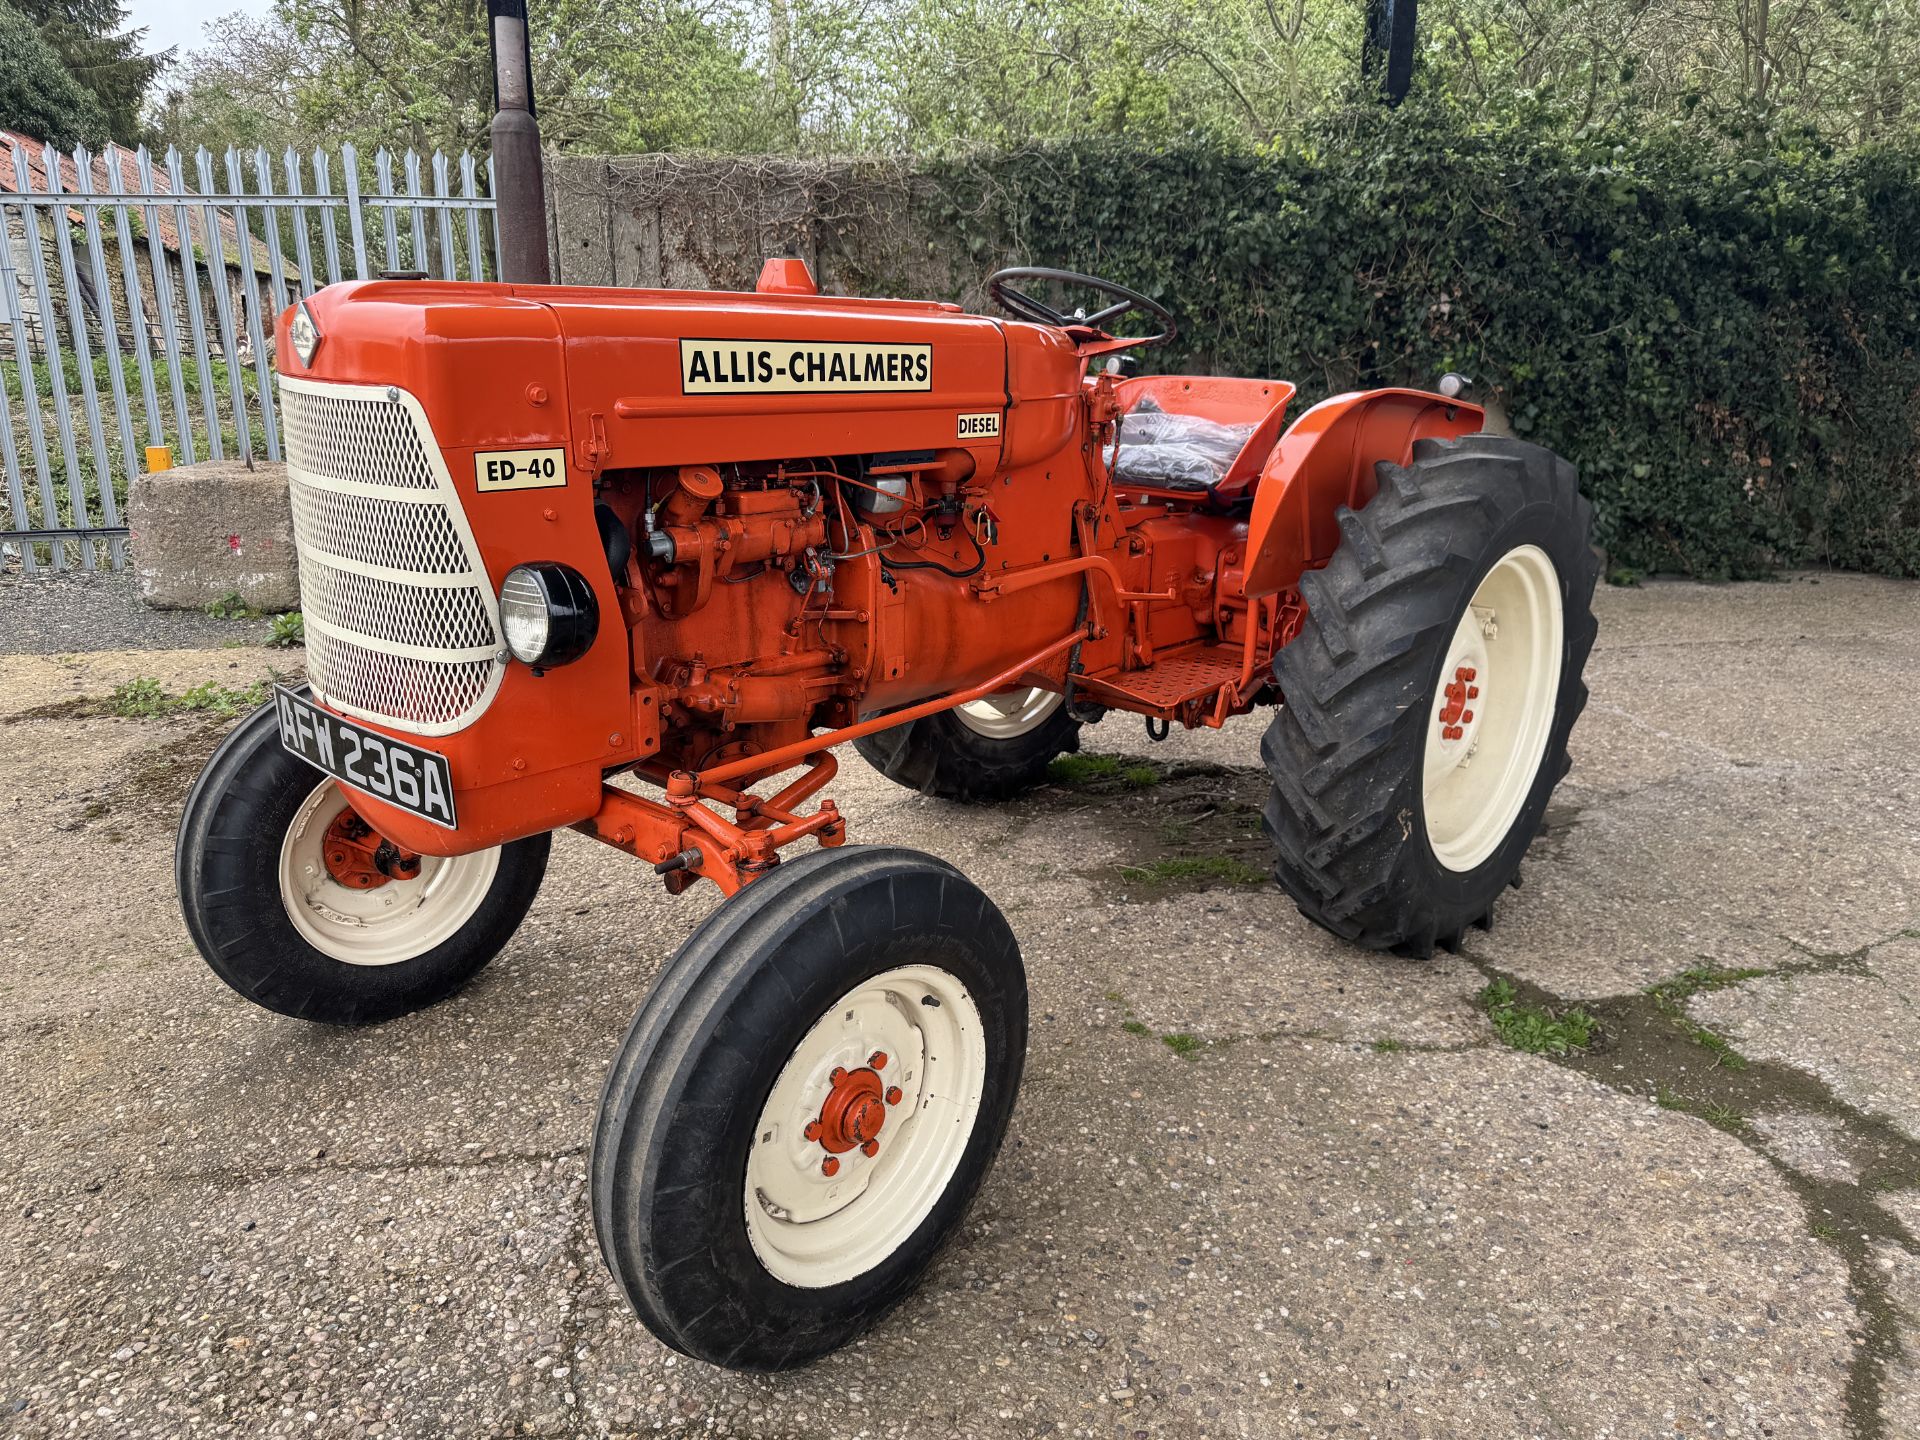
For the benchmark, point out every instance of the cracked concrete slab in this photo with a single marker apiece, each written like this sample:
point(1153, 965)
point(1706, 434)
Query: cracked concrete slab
point(1856, 1031)
point(1814, 1145)
point(1350, 1211)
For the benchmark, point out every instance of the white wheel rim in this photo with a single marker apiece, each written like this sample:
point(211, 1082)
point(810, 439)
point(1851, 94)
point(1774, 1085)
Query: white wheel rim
point(1488, 727)
point(1009, 714)
point(811, 1228)
point(389, 924)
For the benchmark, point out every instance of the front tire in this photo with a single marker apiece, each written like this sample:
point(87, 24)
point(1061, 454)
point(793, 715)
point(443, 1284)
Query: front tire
point(1430, 692)
point(806, 1104)
point(268, 916)
point(988, 749)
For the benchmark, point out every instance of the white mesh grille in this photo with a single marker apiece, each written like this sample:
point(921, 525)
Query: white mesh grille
point(402, 624)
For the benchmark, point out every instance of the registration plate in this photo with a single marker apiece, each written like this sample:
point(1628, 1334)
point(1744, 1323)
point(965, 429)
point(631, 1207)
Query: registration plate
point(403, 775)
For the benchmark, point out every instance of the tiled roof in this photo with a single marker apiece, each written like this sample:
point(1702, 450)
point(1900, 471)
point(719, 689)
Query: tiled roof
point(164, 215)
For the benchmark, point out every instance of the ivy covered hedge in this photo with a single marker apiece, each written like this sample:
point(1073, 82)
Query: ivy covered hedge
point(1726, 340)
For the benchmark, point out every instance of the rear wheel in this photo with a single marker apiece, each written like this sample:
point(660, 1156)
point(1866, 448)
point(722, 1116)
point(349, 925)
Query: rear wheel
point(1429, 695)
point(987, 749)
point(300, 907)
point(806, 1103)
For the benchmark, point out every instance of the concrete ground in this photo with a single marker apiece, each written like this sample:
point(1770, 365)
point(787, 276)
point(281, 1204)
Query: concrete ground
point(1258, 1183)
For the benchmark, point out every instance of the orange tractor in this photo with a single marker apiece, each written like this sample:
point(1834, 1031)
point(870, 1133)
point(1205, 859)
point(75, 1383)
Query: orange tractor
point(635, 562)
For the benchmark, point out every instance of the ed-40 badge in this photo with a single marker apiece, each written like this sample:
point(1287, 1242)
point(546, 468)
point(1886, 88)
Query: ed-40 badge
point(520, 469)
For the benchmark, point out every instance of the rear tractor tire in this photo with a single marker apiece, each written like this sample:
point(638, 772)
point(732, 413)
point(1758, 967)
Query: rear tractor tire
point(1430, 692)
point(272, 919)
point(806, 1103)
point(989, 749)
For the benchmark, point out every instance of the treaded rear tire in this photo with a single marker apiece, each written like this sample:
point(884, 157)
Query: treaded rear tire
point(938, 755)
point(1345, 751)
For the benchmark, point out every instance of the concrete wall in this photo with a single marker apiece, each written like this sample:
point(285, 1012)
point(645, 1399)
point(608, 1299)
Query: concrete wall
point(707, 223)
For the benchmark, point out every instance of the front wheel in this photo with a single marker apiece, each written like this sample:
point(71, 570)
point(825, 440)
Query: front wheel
point(1430, 692)
point(299, 907)
point(806, 1103)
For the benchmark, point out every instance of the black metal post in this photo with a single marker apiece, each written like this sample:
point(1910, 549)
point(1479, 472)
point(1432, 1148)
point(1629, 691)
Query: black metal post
point(519, 178)
point(1387, 53)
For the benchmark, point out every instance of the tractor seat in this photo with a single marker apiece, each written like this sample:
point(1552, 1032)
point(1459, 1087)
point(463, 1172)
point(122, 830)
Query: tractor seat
point(1186, 434)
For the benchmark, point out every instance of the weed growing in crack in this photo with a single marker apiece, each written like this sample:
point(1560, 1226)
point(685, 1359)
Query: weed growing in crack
point(1537, 1031)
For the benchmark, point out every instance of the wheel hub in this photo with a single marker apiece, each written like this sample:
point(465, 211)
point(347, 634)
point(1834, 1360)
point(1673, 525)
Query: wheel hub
point(1458, 714)
point(854, 1111)
point(360, 858)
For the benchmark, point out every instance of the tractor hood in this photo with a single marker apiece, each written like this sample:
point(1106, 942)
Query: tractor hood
point(666, 377)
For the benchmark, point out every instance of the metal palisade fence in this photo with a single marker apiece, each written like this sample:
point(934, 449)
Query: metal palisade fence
point(138, 296)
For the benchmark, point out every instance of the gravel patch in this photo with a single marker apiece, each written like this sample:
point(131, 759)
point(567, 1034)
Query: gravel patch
point(77, 613)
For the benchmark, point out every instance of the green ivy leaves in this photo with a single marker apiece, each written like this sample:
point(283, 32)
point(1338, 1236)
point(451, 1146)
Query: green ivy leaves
point(1727, 342)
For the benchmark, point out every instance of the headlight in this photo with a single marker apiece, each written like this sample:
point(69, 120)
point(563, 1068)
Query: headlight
point(548, 613)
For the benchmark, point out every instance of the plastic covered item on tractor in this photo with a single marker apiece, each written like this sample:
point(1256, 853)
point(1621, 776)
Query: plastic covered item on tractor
point(1158, 447)
point(1197, 432)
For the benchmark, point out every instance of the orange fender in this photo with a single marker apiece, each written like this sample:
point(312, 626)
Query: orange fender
point(1326, 460)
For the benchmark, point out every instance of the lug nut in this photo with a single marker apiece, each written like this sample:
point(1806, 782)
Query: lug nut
point(1466, 716)
point(838, 1075)
point(830, 1166)
point(812, 1132)
point(893, 1095)
point(870, 1149)
point(1473, 692)
point(878, 1060)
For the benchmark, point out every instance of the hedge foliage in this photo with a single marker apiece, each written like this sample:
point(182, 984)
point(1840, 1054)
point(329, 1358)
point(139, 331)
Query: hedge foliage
point(1722, 336)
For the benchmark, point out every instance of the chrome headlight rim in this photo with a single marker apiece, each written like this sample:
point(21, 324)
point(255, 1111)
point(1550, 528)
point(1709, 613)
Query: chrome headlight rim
point(548, 614)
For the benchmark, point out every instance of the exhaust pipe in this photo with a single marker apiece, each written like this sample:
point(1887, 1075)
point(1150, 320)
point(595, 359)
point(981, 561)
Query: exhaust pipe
point(519, 178)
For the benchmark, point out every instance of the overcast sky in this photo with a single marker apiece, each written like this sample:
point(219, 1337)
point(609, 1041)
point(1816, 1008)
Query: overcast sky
point(172, 24)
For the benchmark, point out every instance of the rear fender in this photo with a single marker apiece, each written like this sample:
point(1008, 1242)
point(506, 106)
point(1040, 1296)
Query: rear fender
point(1326, 460)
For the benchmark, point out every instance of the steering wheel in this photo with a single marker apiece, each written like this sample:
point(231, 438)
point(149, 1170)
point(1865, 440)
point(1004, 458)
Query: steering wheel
point(1096, 326)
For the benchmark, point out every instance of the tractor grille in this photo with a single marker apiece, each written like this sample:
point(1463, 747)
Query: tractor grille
point(402, 624)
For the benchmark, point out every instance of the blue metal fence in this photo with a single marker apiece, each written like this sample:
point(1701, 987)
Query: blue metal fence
point(137, 303)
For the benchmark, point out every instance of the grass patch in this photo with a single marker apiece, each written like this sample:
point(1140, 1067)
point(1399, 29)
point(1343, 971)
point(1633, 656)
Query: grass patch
point(223, 701)
point(1387, 1045)
point(1537, 1031)
point(288, 631)
point(1223, 868)
point(1723, 1053)
point(1184, 1045)
point(1670, 995)
point(145, 698)
point(139, 699)
point(1716, 1113)
point(1134, 1027)
point(1670, 999)
point(1092, 769)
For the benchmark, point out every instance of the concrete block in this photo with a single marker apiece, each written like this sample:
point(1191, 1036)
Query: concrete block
point(203, 532)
